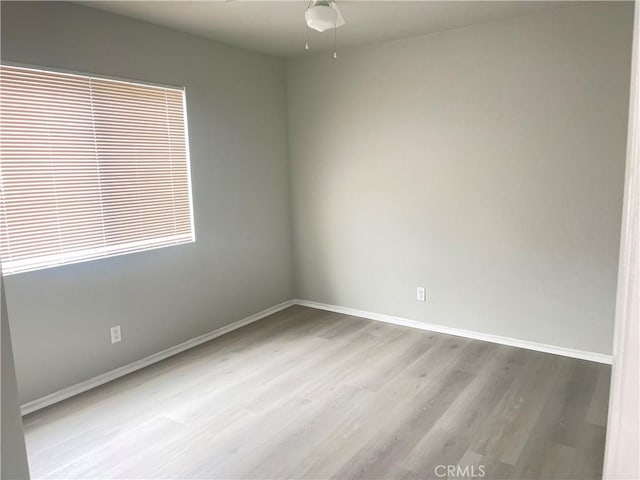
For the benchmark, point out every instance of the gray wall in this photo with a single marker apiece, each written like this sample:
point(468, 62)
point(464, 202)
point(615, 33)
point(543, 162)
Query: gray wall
point(13, 456)
point(241, 262)
point(484, 163)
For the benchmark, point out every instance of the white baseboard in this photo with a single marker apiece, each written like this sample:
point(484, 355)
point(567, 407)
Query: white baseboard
point(513, 342)
point(78, 388)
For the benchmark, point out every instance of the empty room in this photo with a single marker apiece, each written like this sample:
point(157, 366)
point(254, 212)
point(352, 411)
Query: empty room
point(319, 239)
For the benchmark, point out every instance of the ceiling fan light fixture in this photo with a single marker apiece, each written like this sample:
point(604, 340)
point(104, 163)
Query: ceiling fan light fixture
point(321, 18)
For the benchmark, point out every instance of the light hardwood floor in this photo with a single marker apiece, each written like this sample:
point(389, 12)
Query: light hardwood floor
point(311, 394)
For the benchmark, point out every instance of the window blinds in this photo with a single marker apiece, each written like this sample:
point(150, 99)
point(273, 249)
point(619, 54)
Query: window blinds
point(89, 168)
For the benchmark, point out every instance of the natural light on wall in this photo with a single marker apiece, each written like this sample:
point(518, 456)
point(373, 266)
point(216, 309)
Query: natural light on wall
point(89, 168)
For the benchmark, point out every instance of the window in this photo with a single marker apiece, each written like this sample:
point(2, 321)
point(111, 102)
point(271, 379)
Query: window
point(89, 168)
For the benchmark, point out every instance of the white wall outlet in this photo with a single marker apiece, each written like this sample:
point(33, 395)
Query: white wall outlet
point(116, 334)
point(421, 294)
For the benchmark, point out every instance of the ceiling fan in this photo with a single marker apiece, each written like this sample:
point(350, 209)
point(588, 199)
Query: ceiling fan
point(323, 15)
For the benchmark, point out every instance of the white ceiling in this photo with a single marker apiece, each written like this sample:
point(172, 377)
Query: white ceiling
point(278, 28)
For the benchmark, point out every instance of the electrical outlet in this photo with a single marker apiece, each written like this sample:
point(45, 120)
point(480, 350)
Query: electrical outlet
point(421, 294)
point(116, 334)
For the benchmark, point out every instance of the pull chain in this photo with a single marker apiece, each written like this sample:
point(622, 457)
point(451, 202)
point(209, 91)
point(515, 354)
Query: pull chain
point(335, 41)
point(306, 29)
